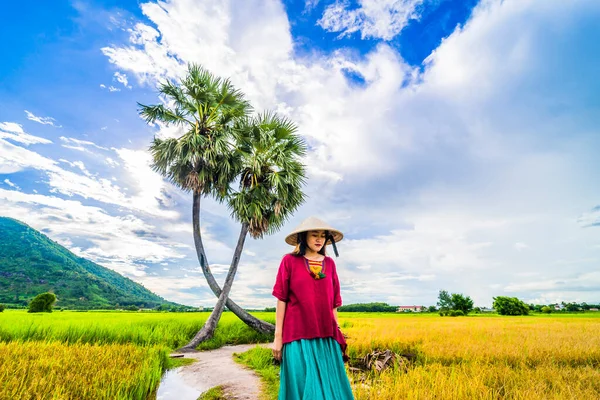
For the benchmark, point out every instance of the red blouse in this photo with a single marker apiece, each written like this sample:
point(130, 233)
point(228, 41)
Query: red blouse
point(310, 301)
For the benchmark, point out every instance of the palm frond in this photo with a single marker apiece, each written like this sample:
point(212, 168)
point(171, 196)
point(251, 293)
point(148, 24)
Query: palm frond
point(204, 158)
point(272, 176)
point(161, 113)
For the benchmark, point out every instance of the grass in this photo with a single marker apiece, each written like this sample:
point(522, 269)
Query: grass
point(172, 330)
point(260, 360)
point(216, 393)
point(173, 363)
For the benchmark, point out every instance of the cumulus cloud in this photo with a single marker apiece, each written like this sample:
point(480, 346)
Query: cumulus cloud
point(440, 175)
point(379, 19)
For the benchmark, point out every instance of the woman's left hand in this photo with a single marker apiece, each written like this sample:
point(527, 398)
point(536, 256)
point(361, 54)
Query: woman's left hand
point(276, 348)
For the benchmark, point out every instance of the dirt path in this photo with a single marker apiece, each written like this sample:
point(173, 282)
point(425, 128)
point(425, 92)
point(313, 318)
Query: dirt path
point(217, 367)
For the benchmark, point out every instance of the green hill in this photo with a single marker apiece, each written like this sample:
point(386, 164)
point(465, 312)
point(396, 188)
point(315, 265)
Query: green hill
point(31, 263)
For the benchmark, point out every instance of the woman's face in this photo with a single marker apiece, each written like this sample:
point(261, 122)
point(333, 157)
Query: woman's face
point(315, 240)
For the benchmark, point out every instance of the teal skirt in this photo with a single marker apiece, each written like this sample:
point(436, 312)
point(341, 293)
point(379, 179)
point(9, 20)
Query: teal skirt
point(313, 369)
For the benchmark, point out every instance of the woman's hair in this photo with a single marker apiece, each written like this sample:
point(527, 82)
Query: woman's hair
point(302, 245)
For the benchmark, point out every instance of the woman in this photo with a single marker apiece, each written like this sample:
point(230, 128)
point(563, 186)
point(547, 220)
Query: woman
point(308, 339)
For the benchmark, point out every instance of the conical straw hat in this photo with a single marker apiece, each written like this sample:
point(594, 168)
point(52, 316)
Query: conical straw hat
point(313, 224)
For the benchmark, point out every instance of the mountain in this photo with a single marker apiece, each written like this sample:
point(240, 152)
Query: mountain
point(31, 263)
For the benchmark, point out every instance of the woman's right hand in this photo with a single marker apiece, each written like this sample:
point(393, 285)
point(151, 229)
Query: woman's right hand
point(276, 348)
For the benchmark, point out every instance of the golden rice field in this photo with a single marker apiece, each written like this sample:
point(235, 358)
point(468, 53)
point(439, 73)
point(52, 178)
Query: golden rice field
point(70, 355)
point(44, 370)
point(483, 357)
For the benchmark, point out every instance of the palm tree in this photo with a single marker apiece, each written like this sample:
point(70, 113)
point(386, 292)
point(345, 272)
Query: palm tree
point(202, 160)
point(269, 191)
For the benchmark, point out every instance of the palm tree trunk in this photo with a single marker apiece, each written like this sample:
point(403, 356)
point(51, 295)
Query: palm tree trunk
point(250, 320)
point(208, 330)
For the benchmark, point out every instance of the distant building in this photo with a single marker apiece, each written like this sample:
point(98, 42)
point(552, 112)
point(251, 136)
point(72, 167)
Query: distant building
point(593, 309)
point(558, 307)
point(485, 309)
point(410, 308)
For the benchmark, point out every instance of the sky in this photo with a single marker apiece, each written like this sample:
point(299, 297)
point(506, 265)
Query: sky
point(455, 143)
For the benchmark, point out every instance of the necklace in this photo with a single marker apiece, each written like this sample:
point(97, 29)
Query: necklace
point(315, 268)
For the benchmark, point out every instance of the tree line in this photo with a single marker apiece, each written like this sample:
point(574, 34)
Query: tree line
point(449, 304)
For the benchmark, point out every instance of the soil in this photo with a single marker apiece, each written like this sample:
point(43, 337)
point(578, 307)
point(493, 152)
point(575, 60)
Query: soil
point(217, 368)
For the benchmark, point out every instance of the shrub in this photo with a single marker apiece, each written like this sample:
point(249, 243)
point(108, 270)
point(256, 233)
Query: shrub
point(1, 307)
point(457, 313)
point(42, 303)
point(546, 309)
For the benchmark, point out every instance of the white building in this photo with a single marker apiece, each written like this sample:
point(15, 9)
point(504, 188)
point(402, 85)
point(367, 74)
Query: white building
point(410, 308)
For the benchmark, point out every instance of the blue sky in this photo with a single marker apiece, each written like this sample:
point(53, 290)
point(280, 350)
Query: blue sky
point(454, 142)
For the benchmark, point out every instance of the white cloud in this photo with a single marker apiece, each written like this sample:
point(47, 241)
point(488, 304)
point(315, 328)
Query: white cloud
point(111, 88)
point(149, 197)
point(150, 185)
point(79, 144)
point(78, 164)
point(590, 218)
point(520, 246)
point(42, 120)
point(309, 5)
point(11, 127)
point(115, 242)
point(9, 183)
point(111, 162)
point(173, 288)
point(315, 92)
point(122, 78)
point(14, 159)
point(15, 133)
point(586, 282)
point(379, 19)
point(438, 174)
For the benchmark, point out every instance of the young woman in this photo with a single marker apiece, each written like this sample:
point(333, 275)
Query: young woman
point(308, 339)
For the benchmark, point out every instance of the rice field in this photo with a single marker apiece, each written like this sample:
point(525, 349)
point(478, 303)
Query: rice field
point(73, 355)
point(477, 357)
point(99, 355)
point(46, 370)
point(172, 330)
point(535, 357)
